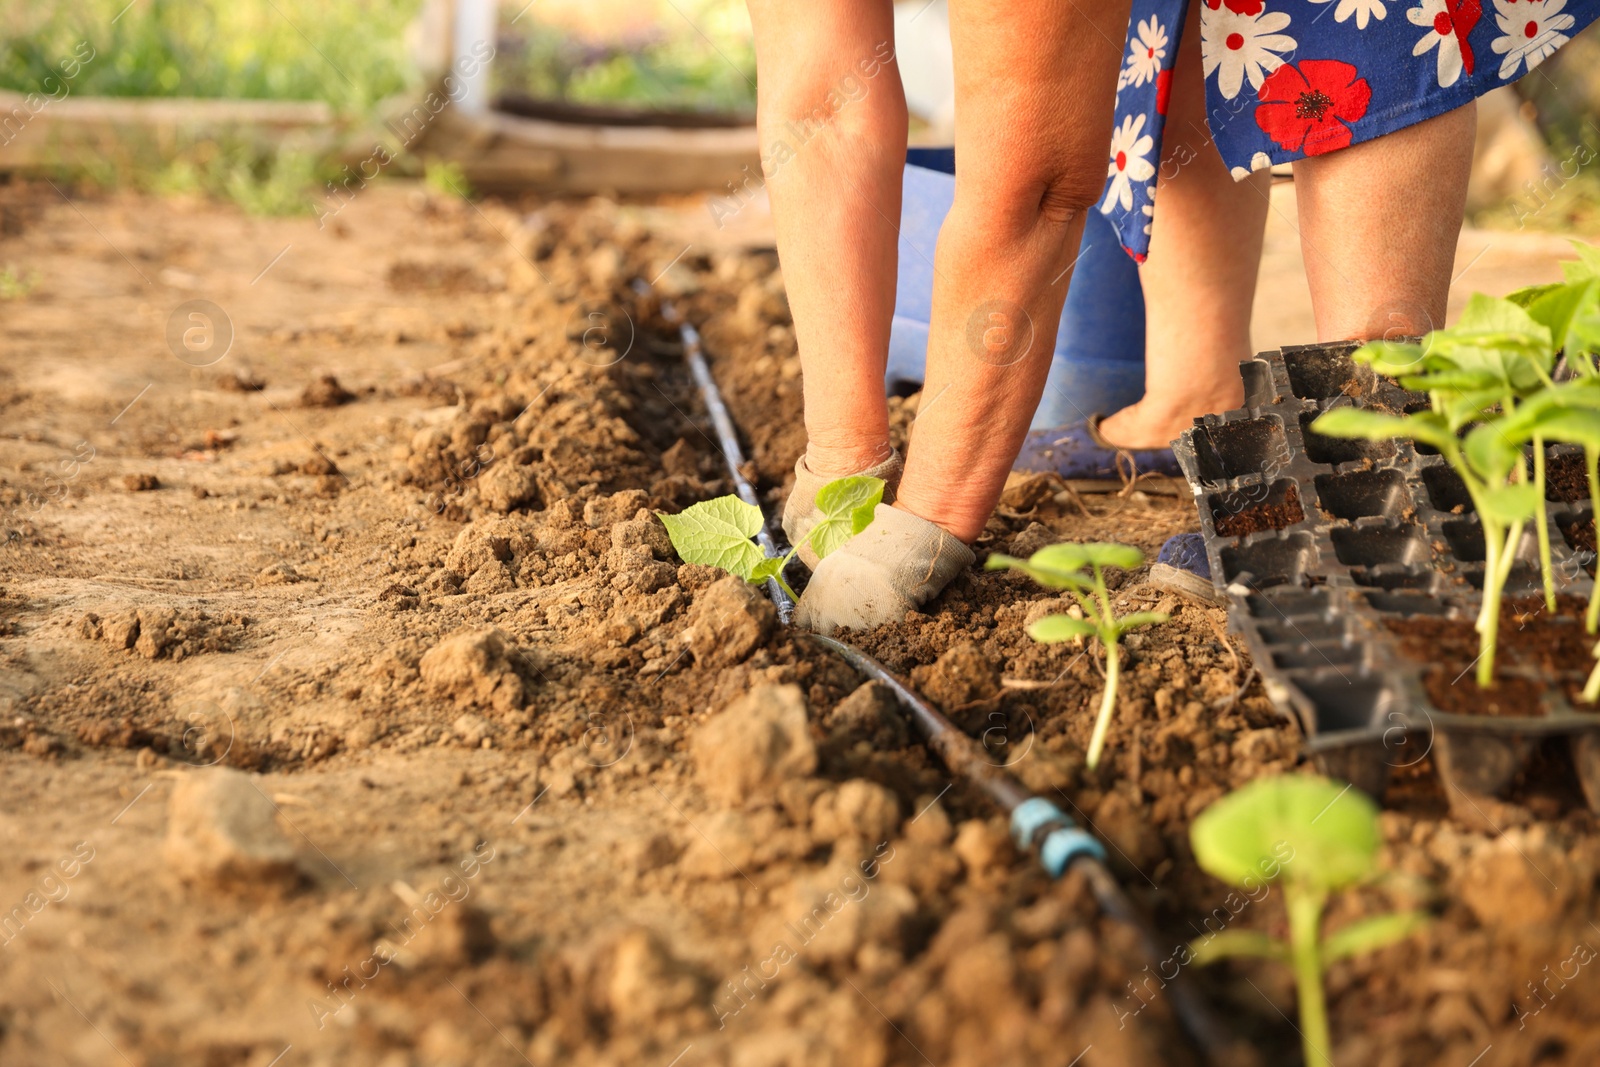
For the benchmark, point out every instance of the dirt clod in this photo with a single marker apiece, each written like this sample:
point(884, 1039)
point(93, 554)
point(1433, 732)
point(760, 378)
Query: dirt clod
point(222, 830)
point(477, 668)
point(754, 744)
point(325, 392)
point(728, 621)
point(140, 483)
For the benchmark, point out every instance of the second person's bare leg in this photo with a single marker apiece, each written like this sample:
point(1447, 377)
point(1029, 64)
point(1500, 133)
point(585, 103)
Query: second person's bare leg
point(1199, 278)
point(1034, 89)
point(1378, 226)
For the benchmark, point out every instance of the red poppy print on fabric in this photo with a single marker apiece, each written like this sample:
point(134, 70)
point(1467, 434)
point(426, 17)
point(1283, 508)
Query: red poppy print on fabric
point(1163, 91)
point(1238, 7)
point(1308, 108)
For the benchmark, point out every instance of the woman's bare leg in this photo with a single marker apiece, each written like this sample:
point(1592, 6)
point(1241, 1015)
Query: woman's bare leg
point(831, 116)
point(1034, 89)
point(1200, 276)
point(1378, 227)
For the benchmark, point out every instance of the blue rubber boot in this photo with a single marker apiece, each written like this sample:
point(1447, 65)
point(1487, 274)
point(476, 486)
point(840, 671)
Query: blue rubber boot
point(1183, 567)
point(1098, 363)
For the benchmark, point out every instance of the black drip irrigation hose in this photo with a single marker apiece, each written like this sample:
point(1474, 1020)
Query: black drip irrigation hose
point(1037, 824)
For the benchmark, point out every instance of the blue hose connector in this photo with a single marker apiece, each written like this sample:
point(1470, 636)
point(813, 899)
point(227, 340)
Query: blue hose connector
point(1063, 841)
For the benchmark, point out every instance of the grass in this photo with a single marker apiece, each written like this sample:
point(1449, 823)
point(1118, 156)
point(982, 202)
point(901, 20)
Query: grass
point(350, 54)
point(693, 54)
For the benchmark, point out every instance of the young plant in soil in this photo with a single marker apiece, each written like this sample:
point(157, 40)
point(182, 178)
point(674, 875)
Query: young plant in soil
point(1080, 569)
point(1312, 837)
point(1475, 374)
point(718, 532)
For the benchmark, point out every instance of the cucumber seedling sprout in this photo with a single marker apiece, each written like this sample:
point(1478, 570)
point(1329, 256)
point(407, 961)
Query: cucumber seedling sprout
point(1312, 837)
point(718, 532)
point(1080, 569)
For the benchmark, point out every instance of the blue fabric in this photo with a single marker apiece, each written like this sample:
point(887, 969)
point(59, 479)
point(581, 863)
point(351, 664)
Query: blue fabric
point(1187, 552)
point(1286, 79)
point(1073, 451)
point(1098, 365)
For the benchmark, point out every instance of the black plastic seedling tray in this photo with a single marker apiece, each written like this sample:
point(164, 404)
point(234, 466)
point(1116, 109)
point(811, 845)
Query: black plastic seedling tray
point(1319, 542)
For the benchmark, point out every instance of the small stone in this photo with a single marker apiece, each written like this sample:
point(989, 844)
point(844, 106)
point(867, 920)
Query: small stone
point(729, 621)
point(140, 483)
point(647, 852)
point(222, 829)
point(643, 530)
point(755, 744)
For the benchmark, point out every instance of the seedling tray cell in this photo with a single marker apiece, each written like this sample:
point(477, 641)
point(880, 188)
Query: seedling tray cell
point(1322, 545)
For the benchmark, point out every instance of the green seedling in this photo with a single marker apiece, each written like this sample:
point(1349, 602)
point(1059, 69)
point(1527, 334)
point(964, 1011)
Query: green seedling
point(718, 532)
point(1312, 837)
point(1080, 569)
point(1475, 375)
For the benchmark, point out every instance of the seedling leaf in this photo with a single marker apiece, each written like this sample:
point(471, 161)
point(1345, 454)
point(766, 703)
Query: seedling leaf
point(1527, 296)
point(1050, 577)
point(1226, 943)
point(1507, 504)
point(1366, 935)
point(1330, 831)
point(1391, 357)
point(717, 533)
point(1491, 452)
point(1588, 261)
point(1425, 426)
point(1556, 308)
point(1055, 628)
point(1140, 618)
point(846, 507)
point(1110, 554)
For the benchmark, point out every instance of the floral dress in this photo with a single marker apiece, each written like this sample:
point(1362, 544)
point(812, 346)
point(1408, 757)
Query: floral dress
point(1292, 78)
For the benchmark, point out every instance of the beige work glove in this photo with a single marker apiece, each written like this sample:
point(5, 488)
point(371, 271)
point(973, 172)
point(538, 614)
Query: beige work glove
point(800, 510)
point(898, 563)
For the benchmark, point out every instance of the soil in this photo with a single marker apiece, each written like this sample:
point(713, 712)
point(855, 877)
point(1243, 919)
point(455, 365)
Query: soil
point(1565, 478)
point(392, 732)
point(1533, 645)
point(1263, 516)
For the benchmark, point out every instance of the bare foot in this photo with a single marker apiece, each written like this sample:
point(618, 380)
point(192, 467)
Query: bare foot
point(1157, 422)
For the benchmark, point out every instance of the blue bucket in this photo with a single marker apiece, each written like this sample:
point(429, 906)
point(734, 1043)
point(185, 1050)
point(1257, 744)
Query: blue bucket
point(1099, 354)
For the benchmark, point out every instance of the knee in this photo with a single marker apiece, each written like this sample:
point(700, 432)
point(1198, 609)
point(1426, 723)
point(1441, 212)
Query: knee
point(1016, 203)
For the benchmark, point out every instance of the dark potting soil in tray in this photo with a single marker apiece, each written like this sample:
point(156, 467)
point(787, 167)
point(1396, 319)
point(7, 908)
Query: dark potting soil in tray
point(1267, 515)
point(1534, 649)
point(1565, 478)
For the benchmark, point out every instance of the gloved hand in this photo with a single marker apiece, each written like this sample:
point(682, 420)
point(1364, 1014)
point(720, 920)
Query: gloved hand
point(898, 563)
point(800, 510)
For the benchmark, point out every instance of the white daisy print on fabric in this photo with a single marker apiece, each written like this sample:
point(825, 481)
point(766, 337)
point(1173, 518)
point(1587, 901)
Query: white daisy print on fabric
point(1441, 34)
point(1532, 30)
point(1145, 52)
point(1364, 11)
point(1237, 47)
point(1130, 151)
point(1259, 161)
